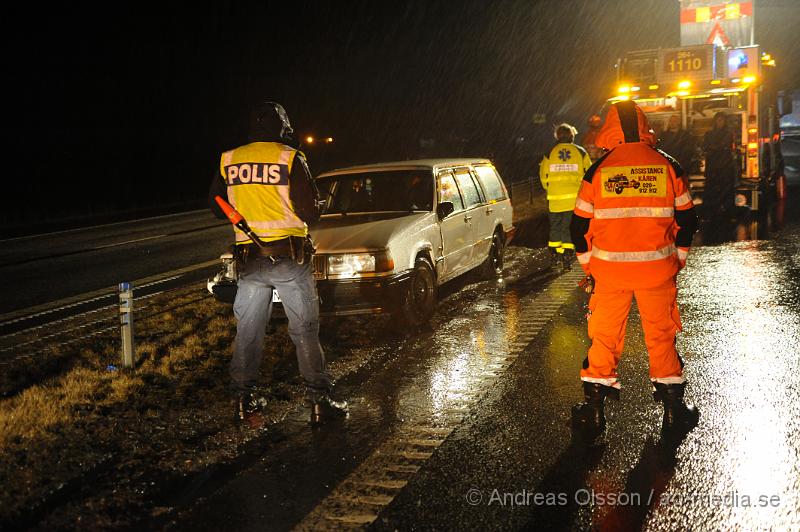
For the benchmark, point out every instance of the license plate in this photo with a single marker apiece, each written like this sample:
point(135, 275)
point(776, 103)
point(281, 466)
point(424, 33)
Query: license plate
point(275, 297)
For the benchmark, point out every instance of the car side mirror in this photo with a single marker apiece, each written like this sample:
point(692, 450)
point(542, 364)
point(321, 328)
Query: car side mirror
point(445, 209)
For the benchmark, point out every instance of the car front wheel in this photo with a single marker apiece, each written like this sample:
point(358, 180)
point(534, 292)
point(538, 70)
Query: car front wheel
point(492, 267)
point(419, 301)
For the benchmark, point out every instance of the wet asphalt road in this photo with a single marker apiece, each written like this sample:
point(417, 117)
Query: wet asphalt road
point(466, 425)
point(39, 269)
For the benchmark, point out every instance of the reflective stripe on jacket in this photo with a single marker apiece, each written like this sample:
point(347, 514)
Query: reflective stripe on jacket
point(257, 177)
point(560, 173)
point(631, 196)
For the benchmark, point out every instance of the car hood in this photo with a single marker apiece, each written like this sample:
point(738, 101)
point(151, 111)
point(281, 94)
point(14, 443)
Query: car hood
point(362, 232)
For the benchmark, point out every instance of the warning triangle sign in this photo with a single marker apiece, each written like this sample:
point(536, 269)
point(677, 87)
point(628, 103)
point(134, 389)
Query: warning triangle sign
point(717, 36)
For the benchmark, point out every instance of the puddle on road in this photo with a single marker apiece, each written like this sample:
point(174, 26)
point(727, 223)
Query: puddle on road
point(436, 382)
point(744, 224)
point(741, 308)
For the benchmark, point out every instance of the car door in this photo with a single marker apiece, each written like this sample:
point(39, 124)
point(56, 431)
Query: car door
point(456, 229)
point(497, 208)
point(483, 222)
point(473, 215)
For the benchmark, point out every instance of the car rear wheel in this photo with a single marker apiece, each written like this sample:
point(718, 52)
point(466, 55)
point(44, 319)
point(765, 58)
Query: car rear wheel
point(492, 267)
point(419, 301)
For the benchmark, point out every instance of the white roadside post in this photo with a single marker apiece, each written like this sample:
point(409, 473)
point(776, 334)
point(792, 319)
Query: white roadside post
point(126, 323)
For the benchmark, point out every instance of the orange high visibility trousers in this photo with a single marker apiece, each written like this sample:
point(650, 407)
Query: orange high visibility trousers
point(609, 307)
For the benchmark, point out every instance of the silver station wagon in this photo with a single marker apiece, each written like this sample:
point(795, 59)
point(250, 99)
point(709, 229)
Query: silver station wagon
point(392, 233)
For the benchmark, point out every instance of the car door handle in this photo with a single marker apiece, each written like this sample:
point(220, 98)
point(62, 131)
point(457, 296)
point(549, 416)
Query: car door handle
point(467, 217)
point(489, 210)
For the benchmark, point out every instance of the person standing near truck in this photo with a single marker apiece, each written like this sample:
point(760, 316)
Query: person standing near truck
point(720, 170)
point(632, 228)
point(678, 143)
point(589, 140)
point(560, 173)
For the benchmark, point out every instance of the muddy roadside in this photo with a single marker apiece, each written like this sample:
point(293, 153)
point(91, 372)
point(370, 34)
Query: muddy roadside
point(90, 446)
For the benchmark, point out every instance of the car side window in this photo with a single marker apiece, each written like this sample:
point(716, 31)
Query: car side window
point(471, 195)
point(478, 186)
point(491, 183)
point(448, 191)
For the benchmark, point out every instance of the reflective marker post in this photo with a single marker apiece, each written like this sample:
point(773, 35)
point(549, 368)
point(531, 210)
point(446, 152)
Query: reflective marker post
point(126, 323)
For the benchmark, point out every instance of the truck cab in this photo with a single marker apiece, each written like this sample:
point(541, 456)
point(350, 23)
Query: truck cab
point(697, 82)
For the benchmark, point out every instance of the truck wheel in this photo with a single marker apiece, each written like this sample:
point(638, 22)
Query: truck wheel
point(419, 301)
point(492, 267)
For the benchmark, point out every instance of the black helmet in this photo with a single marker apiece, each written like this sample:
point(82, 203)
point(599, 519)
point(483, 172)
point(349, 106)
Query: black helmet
point(269, 121)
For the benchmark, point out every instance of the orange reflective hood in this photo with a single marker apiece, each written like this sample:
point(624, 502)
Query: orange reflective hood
point(625, 122)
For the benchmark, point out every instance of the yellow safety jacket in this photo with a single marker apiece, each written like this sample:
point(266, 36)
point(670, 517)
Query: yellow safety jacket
point(257, 176)
point(561, 173)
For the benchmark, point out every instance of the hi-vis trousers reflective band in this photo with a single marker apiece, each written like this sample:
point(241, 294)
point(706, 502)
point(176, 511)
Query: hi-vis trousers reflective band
point(561, 196)
point(607, 323)
point(628, 256)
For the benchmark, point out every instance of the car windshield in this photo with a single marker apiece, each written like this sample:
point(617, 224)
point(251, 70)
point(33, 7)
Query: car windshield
point(380, 191)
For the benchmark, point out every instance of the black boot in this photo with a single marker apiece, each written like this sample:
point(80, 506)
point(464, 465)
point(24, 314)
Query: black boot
point(588, 418)
point(679, 418)
point(555, 258)
point(324, 408)
point(568, 256)
point(558, 260)
point(248, 404)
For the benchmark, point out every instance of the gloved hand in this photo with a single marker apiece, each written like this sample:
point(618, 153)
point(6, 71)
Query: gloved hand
point(587, 284)
point(683, 254)
point(584, 267)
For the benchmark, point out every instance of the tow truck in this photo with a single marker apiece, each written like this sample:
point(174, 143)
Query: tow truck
point(620, 182)
point(696, 82)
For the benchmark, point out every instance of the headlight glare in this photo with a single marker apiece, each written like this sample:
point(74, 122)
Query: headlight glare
point(355, 264)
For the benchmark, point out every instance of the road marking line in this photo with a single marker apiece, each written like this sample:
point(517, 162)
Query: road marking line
point(440, 424)
point(403, 469)
point(386, 484)
point(114, 244)
point(355, 519)
point(415, 455)
point(373, 500)
point(425, 443)
point(152, 218)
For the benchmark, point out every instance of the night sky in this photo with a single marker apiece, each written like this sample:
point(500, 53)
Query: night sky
point(127, 106)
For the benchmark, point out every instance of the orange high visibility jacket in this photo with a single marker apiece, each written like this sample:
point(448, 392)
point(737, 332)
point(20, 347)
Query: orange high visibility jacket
point(632, 198)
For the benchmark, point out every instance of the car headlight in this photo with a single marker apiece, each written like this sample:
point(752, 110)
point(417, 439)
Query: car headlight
point(356, 264)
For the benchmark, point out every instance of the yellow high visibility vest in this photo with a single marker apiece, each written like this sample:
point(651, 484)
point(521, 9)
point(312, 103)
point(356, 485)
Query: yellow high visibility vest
point(561, 173)
point(257, 176)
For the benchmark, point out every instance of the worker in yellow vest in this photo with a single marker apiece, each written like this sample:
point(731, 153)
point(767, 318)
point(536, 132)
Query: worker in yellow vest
point(268, 182)
point(561, 172)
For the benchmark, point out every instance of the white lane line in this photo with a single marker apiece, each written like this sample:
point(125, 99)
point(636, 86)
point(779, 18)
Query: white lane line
point(353, 519)
point(105, 226)
point(392, 457)
point(115, 244)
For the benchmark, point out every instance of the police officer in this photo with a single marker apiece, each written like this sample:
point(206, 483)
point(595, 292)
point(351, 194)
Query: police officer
point(269, 183)
point(560, 172)
point(632, 227)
